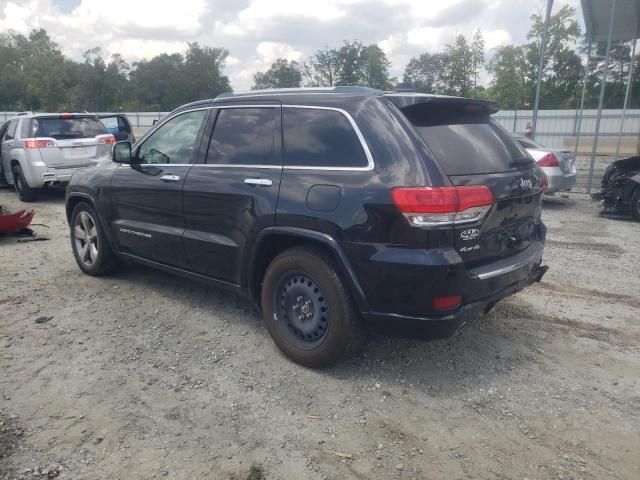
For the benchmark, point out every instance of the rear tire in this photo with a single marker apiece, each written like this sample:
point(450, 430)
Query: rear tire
point(307, 309)
point(635, 205)
point(90, 246)
point(23, 190)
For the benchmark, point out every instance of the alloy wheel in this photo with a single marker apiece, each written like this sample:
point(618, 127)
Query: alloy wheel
point(85, 233)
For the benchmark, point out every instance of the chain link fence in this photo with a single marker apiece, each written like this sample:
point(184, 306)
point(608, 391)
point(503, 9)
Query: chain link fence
point(562, 128)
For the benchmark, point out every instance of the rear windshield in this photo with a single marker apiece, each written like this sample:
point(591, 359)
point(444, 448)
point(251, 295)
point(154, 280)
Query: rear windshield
point(63, 128)
point(466, 143)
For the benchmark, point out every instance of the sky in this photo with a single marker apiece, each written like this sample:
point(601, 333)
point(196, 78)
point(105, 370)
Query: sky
point(257, 32)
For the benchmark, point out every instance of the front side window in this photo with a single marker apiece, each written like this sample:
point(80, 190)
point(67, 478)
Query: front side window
point(174, 141)
point(321, 138)
point(246, 136)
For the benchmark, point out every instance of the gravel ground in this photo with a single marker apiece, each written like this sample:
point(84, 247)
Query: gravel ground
point(143, 375)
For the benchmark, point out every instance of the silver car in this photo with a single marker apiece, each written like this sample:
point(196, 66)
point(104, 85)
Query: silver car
point(558, 165)
point(40, 150)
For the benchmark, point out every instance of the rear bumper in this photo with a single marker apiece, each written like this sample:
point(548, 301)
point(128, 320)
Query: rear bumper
point(448, 324)
point(560, 181)
point(53, 176)
point(400, 285)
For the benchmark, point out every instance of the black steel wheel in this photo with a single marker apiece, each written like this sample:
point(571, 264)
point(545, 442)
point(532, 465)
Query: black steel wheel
point(302, 307)
point(307, 308)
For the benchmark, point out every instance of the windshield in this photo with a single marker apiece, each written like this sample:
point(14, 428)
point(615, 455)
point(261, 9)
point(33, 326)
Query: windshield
point(467, 142)
point(64, 128)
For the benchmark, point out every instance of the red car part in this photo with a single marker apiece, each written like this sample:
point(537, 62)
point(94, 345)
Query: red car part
point(14, 222)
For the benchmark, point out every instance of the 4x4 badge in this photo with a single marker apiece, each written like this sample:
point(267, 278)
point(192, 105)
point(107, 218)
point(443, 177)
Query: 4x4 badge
point(470, 234)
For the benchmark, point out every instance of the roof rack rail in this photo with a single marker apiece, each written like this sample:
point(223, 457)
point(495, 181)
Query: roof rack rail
point(19, 114)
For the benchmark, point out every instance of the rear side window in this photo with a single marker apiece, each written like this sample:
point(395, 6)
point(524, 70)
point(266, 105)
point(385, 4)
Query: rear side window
point(466, 143)
point(65, 128)
point(24, 128)
point(246, 136)
point(320, 138)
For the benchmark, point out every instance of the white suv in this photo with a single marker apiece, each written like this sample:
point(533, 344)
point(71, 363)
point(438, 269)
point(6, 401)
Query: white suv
point(40, 150)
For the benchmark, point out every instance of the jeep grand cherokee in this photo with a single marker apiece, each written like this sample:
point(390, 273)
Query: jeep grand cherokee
point(328, 208)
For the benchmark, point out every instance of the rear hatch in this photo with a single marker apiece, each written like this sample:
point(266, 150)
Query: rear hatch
point(472, 149)
point(118, 125)
point(70, 141)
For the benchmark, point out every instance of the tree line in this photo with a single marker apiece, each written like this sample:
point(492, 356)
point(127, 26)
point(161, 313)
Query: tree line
point(35, 75)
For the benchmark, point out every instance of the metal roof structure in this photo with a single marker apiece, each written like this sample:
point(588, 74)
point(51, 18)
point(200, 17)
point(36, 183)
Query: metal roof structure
point(605, 21)
point(626, 19)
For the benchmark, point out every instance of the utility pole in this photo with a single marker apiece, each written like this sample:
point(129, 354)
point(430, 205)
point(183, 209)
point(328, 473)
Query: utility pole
point(543, 45)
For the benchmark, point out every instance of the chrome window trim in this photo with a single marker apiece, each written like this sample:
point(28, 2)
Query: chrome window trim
point(161, 123)
point(370, 164)
point(271, 105)
point(182, 112)
point(232, 165)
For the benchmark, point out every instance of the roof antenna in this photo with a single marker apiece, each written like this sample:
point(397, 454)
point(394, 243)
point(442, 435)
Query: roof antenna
point(404, 87)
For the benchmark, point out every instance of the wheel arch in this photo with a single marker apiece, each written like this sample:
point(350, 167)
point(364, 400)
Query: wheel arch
point(13, 163)
point(18, 160)
point(273, 240)
point(73, 199)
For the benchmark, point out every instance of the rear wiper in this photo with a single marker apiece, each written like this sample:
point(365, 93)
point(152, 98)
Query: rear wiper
point(518, 162)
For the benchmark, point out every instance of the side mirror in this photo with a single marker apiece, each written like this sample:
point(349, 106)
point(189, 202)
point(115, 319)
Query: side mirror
point(121, 152)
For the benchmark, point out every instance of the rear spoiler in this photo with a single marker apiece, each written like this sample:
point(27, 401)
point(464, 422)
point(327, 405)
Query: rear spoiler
point(406, 100)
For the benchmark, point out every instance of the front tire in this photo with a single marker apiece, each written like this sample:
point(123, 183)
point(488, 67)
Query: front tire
point(635, 205)
point(90, 246)
point(307, 309)
point(23, 190)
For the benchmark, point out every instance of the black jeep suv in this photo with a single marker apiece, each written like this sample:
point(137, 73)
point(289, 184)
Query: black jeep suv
point(328, 208)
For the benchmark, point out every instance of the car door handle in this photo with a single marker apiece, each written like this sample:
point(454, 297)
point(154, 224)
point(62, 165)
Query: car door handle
point(263, 182)
point(170, 178)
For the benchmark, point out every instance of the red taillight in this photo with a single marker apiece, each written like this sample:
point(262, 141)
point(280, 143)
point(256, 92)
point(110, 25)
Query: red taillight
point(447, 303)
point(549, 160)
point(424, 206)
point(66, 115)
point(39, 143)
point(108, 139)
point(426, 200)
point(544, 183)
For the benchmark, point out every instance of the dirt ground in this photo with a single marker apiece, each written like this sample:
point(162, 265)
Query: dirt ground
point(143, 375)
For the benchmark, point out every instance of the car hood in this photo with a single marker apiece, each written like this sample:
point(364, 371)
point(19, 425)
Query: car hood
point(629, 164)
